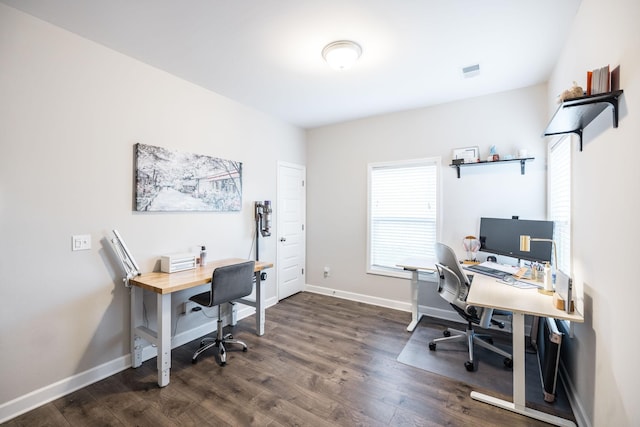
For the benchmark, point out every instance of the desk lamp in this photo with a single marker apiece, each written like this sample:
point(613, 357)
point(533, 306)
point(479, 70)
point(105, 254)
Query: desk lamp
point(525, 246)
point(129, 264)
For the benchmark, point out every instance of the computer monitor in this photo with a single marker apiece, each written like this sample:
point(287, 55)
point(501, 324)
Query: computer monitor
point(501, 236)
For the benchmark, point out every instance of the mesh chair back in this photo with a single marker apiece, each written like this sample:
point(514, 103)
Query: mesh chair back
point(449, 286)
point(446, 256)
point(454, 286)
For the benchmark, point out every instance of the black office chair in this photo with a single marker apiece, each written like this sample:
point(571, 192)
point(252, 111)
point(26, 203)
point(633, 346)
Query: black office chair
point(454, 286)
point(228, 283)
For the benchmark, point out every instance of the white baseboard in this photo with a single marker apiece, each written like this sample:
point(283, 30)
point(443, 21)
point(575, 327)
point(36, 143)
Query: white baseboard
point(582, 420)
point(435, 312)
point(44, 395)
point(351, 296)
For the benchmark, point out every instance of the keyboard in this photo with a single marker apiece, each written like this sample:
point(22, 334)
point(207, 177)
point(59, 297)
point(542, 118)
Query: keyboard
point(487, 271)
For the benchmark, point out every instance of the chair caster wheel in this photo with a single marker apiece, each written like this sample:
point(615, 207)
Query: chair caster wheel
point(244, 350)
point(469, 366)
point(446, 333)
point(432, 346)
point(194, 361)
point(508, 362)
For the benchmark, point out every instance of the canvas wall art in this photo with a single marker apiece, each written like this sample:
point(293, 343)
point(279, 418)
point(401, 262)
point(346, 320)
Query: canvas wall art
point(168, 180)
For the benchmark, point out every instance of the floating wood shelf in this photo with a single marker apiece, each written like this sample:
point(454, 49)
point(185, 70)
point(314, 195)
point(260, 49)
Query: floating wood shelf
point(573, 115)
point(522, 162)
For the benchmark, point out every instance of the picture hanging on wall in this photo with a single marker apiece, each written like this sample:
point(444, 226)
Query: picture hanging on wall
point(173, 181)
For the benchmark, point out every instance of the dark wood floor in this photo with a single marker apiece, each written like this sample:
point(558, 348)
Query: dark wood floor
point(323, 361)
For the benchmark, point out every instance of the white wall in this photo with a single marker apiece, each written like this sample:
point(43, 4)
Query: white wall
point(70, 113)
point(606, 229)
point(337, 181)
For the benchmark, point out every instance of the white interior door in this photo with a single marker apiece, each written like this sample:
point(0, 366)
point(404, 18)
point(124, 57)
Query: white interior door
point(290, 231)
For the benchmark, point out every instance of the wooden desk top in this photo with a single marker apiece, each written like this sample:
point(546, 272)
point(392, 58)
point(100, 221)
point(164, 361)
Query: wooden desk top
point(166, 283)
point(487, 291)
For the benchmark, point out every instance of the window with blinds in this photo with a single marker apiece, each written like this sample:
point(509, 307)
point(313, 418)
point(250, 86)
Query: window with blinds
point(403, 212)
point(559, 185)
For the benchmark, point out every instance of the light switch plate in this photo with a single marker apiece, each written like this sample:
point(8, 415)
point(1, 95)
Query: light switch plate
point(81, 242)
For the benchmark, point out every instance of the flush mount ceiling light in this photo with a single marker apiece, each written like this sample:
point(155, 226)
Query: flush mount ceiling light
point(341, 54)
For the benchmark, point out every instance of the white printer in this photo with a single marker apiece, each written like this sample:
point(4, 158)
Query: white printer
point(172, 263)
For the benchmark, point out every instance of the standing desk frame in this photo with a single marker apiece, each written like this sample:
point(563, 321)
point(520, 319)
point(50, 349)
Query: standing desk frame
point(163, 285)
point(488, 292)
point(415, 265)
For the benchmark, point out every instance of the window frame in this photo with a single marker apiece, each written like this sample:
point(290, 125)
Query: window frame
point(436, 162)
point(566, 143)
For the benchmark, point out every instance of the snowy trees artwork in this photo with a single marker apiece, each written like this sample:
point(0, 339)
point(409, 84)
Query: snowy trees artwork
point(168, 180)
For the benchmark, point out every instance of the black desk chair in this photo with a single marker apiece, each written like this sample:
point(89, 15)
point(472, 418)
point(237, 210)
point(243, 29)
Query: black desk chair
point(454, 286)
point(228, 283)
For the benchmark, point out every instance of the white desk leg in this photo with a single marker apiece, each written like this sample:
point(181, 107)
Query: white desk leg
point(415, 315)
point(136, 294)
point(518, 355)
point(519, 399)
point(259, 305)
point(234, 314)
point(164, 338)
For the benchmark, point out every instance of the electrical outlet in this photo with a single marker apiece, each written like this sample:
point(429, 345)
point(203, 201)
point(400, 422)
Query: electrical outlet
point(327, 272)
point(187, 306)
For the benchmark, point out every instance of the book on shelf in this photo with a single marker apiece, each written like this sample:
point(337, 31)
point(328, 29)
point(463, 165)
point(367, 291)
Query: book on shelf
point(599, 81)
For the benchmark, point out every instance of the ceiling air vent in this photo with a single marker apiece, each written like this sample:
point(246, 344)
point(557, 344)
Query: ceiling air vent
point(471, 71)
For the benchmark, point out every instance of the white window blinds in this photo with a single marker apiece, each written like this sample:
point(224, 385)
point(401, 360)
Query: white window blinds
point(402, 212)
point(559, 183)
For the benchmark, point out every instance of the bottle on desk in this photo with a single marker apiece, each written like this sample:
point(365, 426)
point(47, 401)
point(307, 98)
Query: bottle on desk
point(203, 256)
point(547, 279)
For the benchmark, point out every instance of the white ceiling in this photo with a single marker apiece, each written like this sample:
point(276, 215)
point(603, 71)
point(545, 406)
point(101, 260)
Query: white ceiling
point(266, 53)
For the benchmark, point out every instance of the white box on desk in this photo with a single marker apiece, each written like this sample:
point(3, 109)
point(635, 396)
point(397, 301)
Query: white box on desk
point(172, 263)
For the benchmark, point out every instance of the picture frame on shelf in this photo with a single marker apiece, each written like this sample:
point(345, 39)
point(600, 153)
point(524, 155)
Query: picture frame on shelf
point(466, 154)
